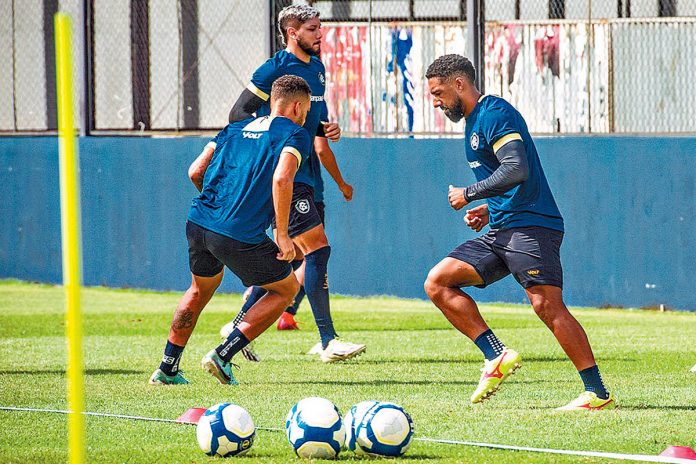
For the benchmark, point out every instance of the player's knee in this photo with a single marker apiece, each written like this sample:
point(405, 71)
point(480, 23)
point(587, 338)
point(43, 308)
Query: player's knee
point(544, 308)
point(432, 284)
point(547, 307)
point(289, 292)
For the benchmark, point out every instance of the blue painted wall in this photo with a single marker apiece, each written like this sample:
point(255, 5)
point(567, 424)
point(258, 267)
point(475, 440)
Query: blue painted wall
point(628, 202)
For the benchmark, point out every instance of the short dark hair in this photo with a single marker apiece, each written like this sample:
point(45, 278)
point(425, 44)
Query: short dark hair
point(294, 16)
point(448, 66)
point(289, 86)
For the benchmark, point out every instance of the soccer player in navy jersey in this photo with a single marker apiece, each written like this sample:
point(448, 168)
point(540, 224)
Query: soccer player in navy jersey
point(526, 231)
point(300, 29)
point(245, 176)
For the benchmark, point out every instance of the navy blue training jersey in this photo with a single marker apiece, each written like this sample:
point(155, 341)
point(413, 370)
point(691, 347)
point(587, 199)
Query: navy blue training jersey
point(493, 123)
point(237, 196)
point(281, 64)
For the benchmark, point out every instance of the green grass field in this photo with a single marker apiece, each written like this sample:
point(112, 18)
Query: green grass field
point(414, 358)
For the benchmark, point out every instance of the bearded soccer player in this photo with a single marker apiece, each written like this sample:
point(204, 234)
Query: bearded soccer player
point(524, 237)
point(245, 176)
point(300, 28)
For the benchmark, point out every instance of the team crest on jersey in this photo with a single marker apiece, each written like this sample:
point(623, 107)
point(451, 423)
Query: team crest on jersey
point(474, 141)
point(302, 206)
point(322, 79)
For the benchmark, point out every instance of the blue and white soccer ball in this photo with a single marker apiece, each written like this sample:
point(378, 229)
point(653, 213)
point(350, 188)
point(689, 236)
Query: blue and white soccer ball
point(315, 429)
point(378, 429)
point(225, 430)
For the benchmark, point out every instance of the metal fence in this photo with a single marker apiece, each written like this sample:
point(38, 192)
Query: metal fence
point(151, 65)
point(570, 66)
point(573, 66)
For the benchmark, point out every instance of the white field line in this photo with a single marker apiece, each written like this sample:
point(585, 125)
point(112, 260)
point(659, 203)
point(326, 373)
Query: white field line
point(596, 454)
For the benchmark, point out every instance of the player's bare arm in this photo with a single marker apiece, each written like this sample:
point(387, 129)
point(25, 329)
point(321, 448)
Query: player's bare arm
point(283, 179)
point(196, 171)
point(328, 160)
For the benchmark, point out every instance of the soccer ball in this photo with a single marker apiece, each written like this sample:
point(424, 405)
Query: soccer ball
point(226, 430)
point(378, 429)
point(315, 429)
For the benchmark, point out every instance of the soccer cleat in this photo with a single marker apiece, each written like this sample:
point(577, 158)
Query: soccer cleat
point(218, 368)
point(337, 350)
point(287, 322)
point(316, 349)
point(160, 378)
point(249, 353)
point(588, 401)
point(494, 372)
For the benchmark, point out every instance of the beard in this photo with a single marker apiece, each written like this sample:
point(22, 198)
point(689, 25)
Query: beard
point(308, 48)
point(455, 113)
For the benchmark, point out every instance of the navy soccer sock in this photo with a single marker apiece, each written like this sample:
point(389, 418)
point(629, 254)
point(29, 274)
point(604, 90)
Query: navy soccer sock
point(233, 345)
point(254, 296)
point(292, 309)
point(593, 381)
point(317, 289)
point(489, 344)
point(296, 304)
point(171, 358)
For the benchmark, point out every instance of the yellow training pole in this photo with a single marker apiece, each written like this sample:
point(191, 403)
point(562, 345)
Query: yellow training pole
point(71, 234)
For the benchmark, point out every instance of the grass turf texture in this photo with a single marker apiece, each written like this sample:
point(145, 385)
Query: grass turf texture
point(414, 358)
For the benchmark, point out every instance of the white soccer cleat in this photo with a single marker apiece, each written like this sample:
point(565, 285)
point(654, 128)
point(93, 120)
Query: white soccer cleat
point(316, 349)
point(337, 350)
point(693, 369)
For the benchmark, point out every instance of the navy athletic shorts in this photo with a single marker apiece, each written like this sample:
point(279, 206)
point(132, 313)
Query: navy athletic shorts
point(320, 208)
point(304, 214)
point(531, 254)
point(254, 264)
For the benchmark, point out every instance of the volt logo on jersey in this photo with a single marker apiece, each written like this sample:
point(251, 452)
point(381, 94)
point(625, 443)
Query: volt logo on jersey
point(302, 206)
point(252, 135)
point(474, 141)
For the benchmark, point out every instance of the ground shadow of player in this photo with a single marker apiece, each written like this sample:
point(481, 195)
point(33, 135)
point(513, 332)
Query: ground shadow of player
point(62, 372)
point(656, 407)
point(454, 359)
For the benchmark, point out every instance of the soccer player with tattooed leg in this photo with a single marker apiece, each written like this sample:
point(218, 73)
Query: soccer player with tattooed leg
point(526, 231)
point(245, 176)
point(300, 29)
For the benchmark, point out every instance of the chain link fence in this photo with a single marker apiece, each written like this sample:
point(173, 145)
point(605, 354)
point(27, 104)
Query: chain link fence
point(570, 66)
point(174, 64)
point(594, 66)
point(169, 65)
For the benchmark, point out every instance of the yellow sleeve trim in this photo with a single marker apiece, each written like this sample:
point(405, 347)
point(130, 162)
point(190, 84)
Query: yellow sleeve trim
point(505, 139)
point(258, 92)
point(295, 152)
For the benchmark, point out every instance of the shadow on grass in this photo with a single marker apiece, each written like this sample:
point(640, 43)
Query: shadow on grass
point(62, 372)
point(450, 360)
point(657, 407)
point(386, 382)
